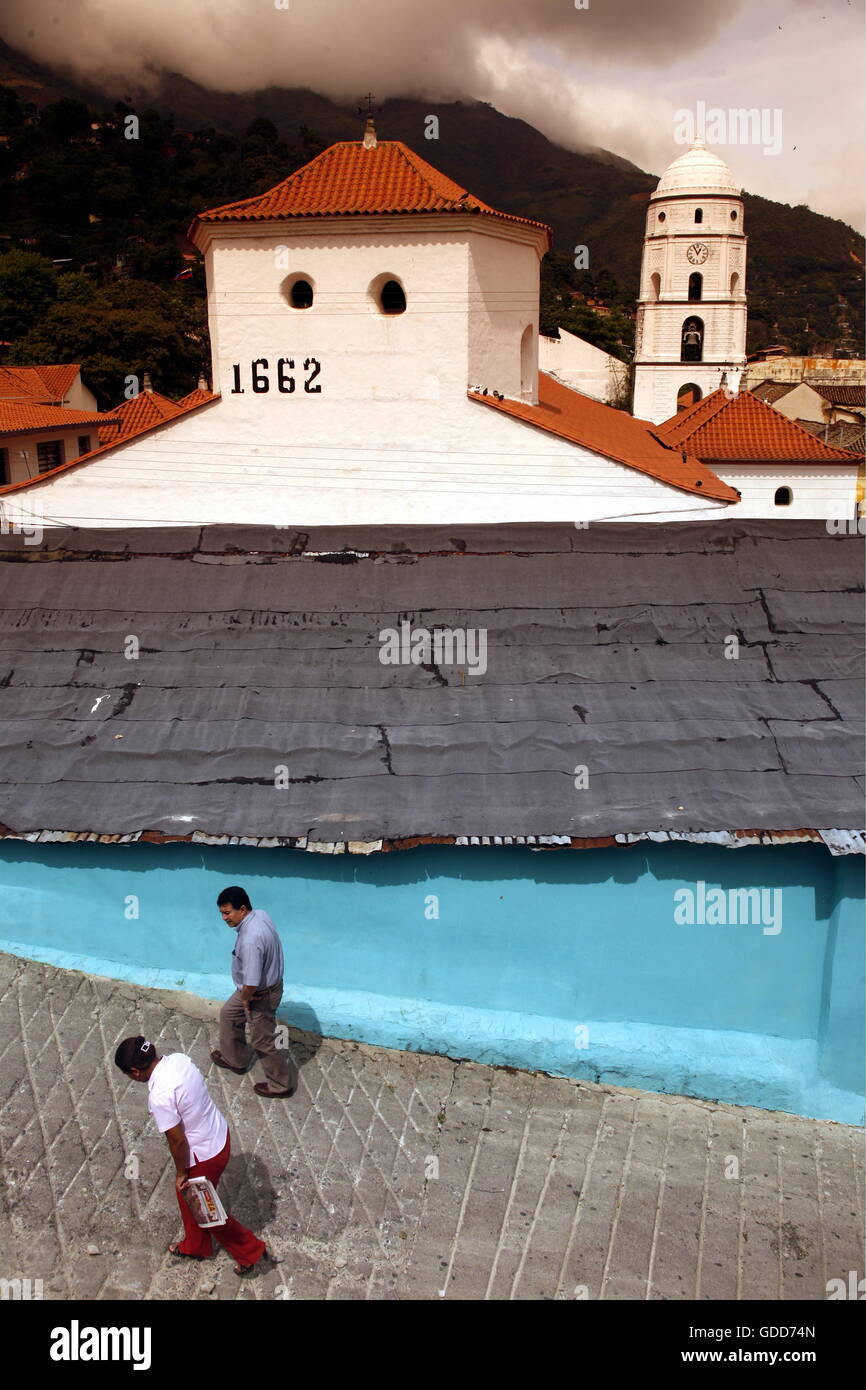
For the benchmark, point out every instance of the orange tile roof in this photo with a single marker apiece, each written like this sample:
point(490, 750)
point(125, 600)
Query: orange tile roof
point(614, 434)
point(17, 417)
point(196, 397)
point(348, 179)
point(42, 385)
point(744, 429)
point(144, 410)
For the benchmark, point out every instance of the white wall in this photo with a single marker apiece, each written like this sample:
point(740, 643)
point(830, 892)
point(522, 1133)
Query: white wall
point(356, 462)
point(581, 365)
point(820, 491)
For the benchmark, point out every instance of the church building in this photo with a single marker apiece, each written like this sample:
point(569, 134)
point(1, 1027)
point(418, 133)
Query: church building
point(691, 326)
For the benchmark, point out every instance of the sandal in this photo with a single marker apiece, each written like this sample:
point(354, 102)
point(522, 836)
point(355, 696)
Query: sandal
point(243, 1270)
point(178, 1254)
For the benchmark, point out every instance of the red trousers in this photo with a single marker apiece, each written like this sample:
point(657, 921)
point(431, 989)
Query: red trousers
point(246, 1248)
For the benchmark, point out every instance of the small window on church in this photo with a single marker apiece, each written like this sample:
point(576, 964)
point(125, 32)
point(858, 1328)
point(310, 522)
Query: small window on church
point(696, 286)
point(297, 290)
point(784, 497)
point(734, 216)
point(301, 294)
point(699, 214)
point(661, 217)
point(392, 298)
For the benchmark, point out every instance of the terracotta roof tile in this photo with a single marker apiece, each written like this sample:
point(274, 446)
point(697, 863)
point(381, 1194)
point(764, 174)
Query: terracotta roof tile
point(19, 416)
point(348, 179)
point(772, 391)
point(743, 429)
point(42, 385)
point(852, 396)
point(614, 434)
point(144, 410)
point(196, 397)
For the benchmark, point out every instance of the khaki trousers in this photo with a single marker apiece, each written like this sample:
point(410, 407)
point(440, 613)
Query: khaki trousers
point(281, 1074)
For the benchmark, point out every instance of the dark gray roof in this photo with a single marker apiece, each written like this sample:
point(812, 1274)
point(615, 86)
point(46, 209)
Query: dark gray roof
point(606, 650)
point(843, 435)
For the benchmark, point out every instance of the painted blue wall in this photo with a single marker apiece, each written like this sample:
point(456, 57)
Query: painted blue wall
point(568, 961)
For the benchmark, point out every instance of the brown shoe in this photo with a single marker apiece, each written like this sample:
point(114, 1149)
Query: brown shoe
point(262, 1090)
point(221, 1062)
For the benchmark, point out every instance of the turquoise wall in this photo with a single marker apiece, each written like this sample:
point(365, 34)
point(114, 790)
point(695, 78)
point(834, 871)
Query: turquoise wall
point(567, 961)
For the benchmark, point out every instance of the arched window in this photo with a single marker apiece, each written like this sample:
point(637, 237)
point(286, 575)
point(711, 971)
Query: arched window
point(655, 285)
point(784, 497)
point(527, 363)
point(688, 394)
point(298, 291)
point(735, 283)
point(392, 298)
point(696, 286)
point(301, 295)
point(692, 341)
point(699, 214)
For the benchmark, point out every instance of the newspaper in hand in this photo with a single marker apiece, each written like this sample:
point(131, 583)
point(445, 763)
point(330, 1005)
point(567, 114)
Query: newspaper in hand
point(203, 1201)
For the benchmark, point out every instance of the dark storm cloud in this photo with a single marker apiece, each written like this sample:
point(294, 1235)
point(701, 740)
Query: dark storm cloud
point(400, 47)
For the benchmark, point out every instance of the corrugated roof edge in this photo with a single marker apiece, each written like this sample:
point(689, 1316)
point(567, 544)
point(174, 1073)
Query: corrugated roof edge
point(837, 841)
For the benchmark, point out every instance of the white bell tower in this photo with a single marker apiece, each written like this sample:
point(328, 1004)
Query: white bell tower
point(691, 318)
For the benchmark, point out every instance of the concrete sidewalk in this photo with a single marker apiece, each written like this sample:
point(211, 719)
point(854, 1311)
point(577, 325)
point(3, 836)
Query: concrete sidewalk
point(399, 1175)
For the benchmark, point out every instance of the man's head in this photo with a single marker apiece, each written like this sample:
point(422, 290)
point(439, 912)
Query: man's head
point(234, 905)
point(136, 1057)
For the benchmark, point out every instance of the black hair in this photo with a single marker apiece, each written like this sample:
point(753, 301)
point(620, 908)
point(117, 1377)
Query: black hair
point(235, 897)
point(134, 1052)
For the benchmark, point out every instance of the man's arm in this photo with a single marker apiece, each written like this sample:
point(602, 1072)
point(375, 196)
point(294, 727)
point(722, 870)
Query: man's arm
point(179, 1148)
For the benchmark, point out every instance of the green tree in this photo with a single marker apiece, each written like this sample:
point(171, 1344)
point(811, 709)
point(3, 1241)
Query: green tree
point(28, 289)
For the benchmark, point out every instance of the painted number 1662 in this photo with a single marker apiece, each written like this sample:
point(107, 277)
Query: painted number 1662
point(260, 379)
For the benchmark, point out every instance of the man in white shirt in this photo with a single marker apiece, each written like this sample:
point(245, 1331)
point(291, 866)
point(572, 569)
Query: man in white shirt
point(199, 1142)
point(257, 971)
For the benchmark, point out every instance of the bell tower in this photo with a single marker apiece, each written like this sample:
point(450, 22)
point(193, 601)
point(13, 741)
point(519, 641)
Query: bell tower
point(691, 320)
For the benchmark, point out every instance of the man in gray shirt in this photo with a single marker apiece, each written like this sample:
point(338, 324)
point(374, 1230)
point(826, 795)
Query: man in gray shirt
point(257, 970)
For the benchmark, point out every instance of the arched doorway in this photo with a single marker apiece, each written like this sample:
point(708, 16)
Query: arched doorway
point(688, 394)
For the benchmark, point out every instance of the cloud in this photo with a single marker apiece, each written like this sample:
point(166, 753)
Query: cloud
point(399, 47)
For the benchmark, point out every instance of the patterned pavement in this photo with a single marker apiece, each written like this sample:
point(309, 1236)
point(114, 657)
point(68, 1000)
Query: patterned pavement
point(394, 1175)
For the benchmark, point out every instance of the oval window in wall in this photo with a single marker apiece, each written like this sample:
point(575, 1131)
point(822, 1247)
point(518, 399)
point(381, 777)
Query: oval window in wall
point(392, 298)
point(301, 295)
point(297, 290)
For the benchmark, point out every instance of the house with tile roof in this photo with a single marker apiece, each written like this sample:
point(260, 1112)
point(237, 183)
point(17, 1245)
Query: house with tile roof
point(778, 467)
point(48, 417)
point(364, 315)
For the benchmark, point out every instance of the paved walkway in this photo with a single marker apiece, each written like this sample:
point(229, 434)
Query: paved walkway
point(399, 1175)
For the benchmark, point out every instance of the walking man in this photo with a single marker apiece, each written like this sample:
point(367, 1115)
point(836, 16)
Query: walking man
point(199, 1142)
point(257, 970)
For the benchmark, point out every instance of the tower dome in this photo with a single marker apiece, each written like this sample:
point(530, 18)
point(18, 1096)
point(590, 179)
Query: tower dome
point(698, 171)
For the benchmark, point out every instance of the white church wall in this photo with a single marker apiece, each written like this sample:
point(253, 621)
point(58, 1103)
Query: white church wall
point(418, 462)
point(503, 289)
point(822, 491)
point(580, 365)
